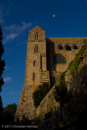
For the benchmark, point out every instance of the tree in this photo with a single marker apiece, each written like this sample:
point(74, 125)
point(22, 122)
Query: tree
point(2, 65)
point(40, 93)
point(8, 114)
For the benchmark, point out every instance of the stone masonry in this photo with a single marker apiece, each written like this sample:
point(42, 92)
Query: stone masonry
point(46, 59)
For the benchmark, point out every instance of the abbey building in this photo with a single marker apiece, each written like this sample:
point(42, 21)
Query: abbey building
point(46, 59)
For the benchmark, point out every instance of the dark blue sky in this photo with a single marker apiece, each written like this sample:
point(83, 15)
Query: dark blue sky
point(17, 17)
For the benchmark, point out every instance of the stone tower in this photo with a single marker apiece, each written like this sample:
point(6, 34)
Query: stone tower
point(36, 63)
point(35, 71)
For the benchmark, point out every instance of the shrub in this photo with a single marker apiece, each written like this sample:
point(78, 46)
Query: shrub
point(48, 115)
point(40, 93)
point(61, 93)
point(37, 120)
point(8, 114)
point(62, 82)
point(60, 89)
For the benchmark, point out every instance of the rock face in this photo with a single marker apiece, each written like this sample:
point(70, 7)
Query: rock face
point(46, 59)
point(73, 114)
point(80, 79)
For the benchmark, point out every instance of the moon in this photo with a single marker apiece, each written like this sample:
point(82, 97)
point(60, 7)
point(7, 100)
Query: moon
point(54, 15)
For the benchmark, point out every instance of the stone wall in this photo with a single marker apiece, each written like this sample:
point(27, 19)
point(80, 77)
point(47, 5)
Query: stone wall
point(48, 103)
point(65, 56)
point(45, 76)
point(26, 106)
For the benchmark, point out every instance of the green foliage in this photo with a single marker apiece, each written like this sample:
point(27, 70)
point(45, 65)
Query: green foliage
point(40, 93)
point(74, 64)
point(48, 115)
point(8, 114)
point(38, 120)
point(61, 93)
point(62, 82)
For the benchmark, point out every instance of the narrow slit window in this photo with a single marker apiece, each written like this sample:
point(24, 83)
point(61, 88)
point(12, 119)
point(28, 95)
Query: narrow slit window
point(33, 76)
point(41, 62)
point(36, 49)
point(36, 37)
point(34, 63)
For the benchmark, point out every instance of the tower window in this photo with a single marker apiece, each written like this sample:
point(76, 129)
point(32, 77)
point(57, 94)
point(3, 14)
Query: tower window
point(68, 48)
point(36, 49)
point(36, 36)
point(75, 47)
point(41, 62)
point(60, 47)
point(33, 63)
point(33, 76)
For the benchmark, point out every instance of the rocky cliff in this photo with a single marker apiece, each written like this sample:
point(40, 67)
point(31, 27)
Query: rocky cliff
point(72, 114)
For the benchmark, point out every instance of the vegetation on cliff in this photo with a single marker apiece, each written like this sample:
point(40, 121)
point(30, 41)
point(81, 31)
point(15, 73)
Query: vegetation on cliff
point(61, 93)
point(74, 64)
point(72, 113)
point(40, 93)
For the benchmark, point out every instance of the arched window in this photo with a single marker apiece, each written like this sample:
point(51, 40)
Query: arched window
point(59, 59)
point(75, 47)
point(36, 36)
point(60, 47)
point(36, 49)
point(68, 48)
